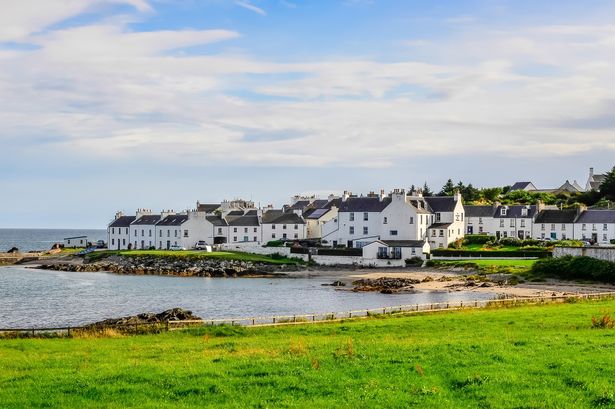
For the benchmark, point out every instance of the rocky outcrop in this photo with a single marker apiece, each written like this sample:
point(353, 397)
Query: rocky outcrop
point(176, 266)
point(175, 314)
point(385, 285)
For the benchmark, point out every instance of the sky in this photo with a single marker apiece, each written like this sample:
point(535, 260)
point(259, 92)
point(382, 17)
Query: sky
point(110, 105)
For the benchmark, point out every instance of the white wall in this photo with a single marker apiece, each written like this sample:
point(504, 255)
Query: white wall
point(314, 226)
point(118, 238)
point(558, 231)
point(604, 235)
point(143, 236)
point(276, 231)
point(602, 253)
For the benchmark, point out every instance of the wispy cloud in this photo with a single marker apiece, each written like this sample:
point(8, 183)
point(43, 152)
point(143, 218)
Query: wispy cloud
point(251, 7)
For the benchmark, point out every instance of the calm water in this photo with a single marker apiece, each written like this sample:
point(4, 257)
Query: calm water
point(42, 239)
point(38, 298)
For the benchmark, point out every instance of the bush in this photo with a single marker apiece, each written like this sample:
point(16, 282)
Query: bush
point(478, 239)
point(490, 253)
point(414, 262)
point(431, 263)
point(576, 268)
point(510, 241)
point(275, 243)
point(568, 243)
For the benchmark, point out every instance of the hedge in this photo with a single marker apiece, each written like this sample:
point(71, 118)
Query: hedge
point(340, 252)
point(478, 238)
point(490, 254)
point(576, 268)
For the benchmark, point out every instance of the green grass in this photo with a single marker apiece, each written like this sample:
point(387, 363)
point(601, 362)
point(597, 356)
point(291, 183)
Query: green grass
point(529, 357)
point(490, 266)
point(221, 255)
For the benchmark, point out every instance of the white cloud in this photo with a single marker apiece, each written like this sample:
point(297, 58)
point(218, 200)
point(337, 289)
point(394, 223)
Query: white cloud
point(251, 7)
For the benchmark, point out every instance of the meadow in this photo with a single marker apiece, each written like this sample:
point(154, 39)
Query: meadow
point(197, 254)
point(549, 356)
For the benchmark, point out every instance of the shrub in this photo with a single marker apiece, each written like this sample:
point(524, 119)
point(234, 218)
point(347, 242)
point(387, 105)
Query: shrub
point(414, 262)
point(603, 322)
point(457, 244)
point(478, 239)
point(568, 243)
point(510, 241)
point(490, 253)
point(576, 268)
point(431, 263)
point(275, 243)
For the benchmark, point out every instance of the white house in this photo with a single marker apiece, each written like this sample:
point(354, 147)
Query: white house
point(595, 225)
point(448, 224)
point(479, 220)
point(280, 224)
point(594, 180)
point(170, 231)
point(118, 232)
point(395, 249)
point(515, 220)
point(554, 224)
point(318, 214)
point(143, 230)
point(244, 228)
point(74, 242)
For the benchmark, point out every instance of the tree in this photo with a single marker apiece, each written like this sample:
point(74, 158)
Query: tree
point(426, 190)
point(491, 194)
point(470, 193)
point(607, 188)
point(448, 189)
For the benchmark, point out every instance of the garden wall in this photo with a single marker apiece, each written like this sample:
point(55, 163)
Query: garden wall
point(601, 253)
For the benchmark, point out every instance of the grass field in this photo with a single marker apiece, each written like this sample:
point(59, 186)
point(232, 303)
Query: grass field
point(489, 266)
point(222, 255)
point(528, 357)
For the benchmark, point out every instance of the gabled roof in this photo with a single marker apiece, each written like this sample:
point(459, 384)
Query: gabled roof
point(123, 221)
point(173, 220)
point(281, 217)
point(76, 237)
point(216, 220)
point(515, 211)
point(246, 220)
point(315, 214)
point(522, 186)
point(556, 216)
point(479, 211)
point(364, 204)
point(440, 204)
point(597, 216)
point(148, 219)
point(299, 205)
point(208, 207)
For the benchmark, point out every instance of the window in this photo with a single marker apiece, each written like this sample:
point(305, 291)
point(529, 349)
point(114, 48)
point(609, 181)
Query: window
point(126, 230)
point(245, 238)
point(365, 230)
point(160, 233)
point(113, 230)
point(501, 223)
point(480, 220)
point(512, 233)
point(524, 211)
point(123, 242)
point(168, 233)
point(421, 219)
point(351, 230)
point(441, 233)
point(542, 226)
point(593, 227)
point(413, 250)
point(512, 222)
point(255, 230)
point(522, 223)
point(113, 242)
point(438, 216)
point(393, 232)
point(583, 226)
point(365, 216)
point(386, 220)
point(563, 236)
point(542, 235)
point(219, 230)
point(273, 235)
point(234, 238)
point(283, 227)
point(503, 211)
point(604, 237)
point(605, 227)
point(411, 220)
point(552, 226)
point(296, 227)
point(563, 227)
point(351, 216)
point(245, 230)
point(254, 239)
point(273, 227)
point(234, 229)
point(433, 233)
point(186, 233)
point(175, 233)
point(142, 233)
point(135, 233)
point(480, 229)
point(296, 235)
point(150, 233)
point(284, 235)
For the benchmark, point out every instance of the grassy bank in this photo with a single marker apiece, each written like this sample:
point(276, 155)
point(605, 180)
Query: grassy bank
point(540, 357)
point(490, 266)
point(220, 255)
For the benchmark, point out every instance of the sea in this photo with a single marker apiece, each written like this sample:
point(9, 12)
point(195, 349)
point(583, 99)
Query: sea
point(42, 239)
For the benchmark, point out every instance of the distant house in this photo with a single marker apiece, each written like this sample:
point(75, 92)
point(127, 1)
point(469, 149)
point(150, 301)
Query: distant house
point(595, 225)
point(527, 186)
point(395, 249)
point(515, 220)
point(244, 227)
point(118, 232)
point(479, 219)
point(74, 242)
point(317, 214)
point(448, 224)
point(594, 181)
point(170, 232)
point(208, 208)
point(554, 224)
point(280, 224)
point(143, 230)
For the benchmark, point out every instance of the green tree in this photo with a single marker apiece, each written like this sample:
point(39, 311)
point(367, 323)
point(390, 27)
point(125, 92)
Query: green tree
point(448, 189)
point(470, 193)
point(607, 188)
point(491, 194)
point(426, 190)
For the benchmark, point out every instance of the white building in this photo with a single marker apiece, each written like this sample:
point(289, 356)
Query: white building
point(554, 224)
point(74, 242)
point(480, 220)
point(118, 232)
point(319, 213)
point(143, 230)
point(172, 231)
point(594, 180)
point(282, 225)
point(595, 225)
point(515, 220)
point(395, 249)
point(448, 220)
point(244, 228)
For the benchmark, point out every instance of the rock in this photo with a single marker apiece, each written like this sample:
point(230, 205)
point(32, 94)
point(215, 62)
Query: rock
point(336, 284)
point(13, 250)
point(385, 284)
point(427, 279)
point(174, 314)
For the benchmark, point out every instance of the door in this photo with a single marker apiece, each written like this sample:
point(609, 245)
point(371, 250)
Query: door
point(595, 237)
point(470, 229)
point(553, 235)
point(521, 234)
point(168, 244)
point(349, 244)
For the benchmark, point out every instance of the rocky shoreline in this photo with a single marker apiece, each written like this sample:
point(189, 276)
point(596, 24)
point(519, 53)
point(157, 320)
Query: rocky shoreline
point(183, 267)
point(174, 314)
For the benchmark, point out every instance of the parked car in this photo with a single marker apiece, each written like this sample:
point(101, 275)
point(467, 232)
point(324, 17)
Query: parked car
point(100, 244)
point(177, 248)
point(201, 245)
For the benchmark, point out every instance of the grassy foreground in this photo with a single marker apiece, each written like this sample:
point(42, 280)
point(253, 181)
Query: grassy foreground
point(528, 357)
point(489, 266)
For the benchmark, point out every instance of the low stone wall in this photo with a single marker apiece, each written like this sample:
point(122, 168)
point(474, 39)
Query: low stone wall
point(354, 260)
point(602, 253)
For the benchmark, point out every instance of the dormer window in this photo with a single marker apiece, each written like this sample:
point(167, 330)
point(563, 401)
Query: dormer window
point(503, 211)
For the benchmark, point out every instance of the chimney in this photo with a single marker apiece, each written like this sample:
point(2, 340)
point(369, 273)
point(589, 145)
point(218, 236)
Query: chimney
point(540, 206)
point(119, 214)
point(345, 195)
point(457, 195)
point(581, 208)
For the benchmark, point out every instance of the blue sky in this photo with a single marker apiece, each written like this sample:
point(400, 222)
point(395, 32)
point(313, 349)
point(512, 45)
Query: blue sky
point(119, 104)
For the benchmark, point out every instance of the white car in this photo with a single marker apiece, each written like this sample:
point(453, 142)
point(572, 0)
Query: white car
point(202, 245)
point(177, 248)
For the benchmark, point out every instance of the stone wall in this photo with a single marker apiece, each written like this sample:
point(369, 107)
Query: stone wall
point(602, 253)
point(256, 249)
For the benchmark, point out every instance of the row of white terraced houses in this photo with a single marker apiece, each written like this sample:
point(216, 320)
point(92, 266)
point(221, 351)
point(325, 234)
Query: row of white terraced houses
point(399, 219)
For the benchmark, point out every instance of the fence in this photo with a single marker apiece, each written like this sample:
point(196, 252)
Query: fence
point(312, 318)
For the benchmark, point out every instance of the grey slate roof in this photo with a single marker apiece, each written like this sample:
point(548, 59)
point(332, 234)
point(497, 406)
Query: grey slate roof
point(147, 219)
point(281, 217)
point(299, 205)
point(173, 220)
point(246, 220)
point(439, 225)
point(522, 186)
point(597, 216)
point(364, 204)
point(556, 216)
point(123, 221)
point(208, 207)
point(514, 211)
point(216, 221)
point(440, 204)
point(235, 213)
point(479, 211)
point(403, 243)
point(316, 213)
